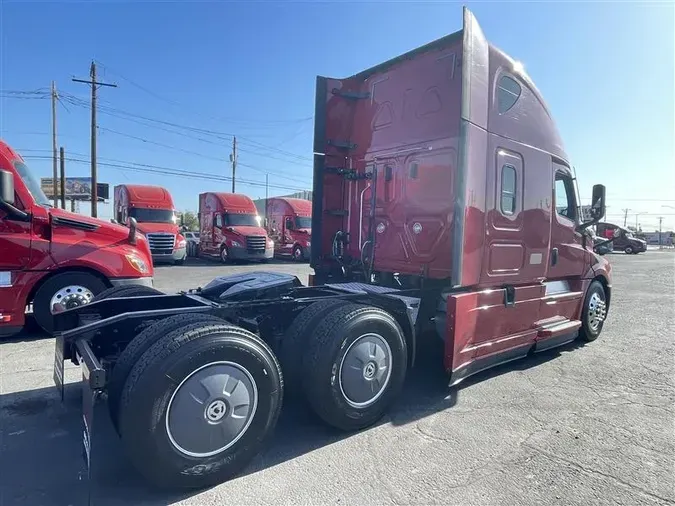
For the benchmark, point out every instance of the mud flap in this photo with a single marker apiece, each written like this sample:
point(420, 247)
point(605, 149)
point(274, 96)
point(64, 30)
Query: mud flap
point(93, 381)
point(59, 365)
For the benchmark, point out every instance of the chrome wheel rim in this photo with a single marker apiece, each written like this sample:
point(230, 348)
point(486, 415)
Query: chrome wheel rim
point(223, 254)
point(297, 254)
point(211, 409)
point(365, 370)
point(597, 310)
point(69, 297)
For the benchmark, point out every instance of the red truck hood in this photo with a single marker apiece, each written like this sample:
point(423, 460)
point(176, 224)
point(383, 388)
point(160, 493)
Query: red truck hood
point(148, 227)
point(245, 231)
point(115, 232)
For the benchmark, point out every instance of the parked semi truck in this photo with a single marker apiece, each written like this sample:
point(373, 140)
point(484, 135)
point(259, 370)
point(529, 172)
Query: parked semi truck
point(230, 228)
point(425, 226)
point(153, 209)
point(289, 223)
point(54, 260)
point(622, 239)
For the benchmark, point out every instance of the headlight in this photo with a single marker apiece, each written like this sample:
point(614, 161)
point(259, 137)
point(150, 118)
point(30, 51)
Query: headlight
point(137, 263)
point(235, 244)
point(309, 244)
point(181, 243)
point(270, 243)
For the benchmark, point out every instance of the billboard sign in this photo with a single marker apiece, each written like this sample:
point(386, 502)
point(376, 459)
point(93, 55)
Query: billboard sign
point(77, 188)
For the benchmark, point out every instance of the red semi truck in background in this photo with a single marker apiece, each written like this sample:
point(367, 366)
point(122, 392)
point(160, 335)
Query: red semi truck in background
point(289, 224)
point(54, 259)
point(155, 213)
point(230, 228)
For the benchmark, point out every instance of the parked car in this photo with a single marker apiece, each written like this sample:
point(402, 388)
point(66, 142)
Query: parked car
point(192, 239)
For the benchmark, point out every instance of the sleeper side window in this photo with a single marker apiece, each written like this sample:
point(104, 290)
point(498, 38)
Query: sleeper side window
point(508, 93)
point(508, 196)
point(565, 204)
point(219, 221)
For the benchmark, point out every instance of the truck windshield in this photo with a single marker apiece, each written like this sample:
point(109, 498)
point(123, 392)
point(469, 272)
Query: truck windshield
point(32, 183)
point(242, 220)
point(144, 215)
point(303, 222)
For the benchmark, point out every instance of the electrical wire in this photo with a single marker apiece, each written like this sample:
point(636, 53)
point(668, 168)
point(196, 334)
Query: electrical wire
point(157, 169)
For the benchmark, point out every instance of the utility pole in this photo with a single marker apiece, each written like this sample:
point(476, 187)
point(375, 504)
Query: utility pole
point(267, 187)
point(660, 233)
point(233, 159)
point(625, 216)
point(93, 83)
point(63, 177)
point(55, 184)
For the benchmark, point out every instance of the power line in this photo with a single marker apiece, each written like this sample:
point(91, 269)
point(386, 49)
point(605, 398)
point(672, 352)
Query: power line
point(178, 104)
point(157, 169)
point(74, 100)
point(196, 153)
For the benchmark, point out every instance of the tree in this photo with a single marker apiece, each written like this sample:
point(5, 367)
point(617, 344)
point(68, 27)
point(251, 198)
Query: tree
point(189, 221)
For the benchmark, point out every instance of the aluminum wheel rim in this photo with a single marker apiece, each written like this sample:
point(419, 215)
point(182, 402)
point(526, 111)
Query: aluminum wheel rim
point(597, 310)
point(365, 370)
point(69, 297)
point(297, 254)
point(223, 254)
point(629, 250)
point(211, 409)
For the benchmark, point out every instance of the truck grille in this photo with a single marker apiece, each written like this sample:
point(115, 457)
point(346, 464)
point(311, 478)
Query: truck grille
point(161, 244)
point(256, 243)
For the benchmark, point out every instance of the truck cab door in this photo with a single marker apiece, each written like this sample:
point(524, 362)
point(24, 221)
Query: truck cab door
point(567, 258)
point(15, 245)
point(217, 234)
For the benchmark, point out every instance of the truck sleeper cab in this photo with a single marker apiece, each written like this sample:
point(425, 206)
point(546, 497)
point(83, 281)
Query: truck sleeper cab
point(53, 259)
point(230, 228)
point(156, 217)
point(443, 203)
point(289, 225)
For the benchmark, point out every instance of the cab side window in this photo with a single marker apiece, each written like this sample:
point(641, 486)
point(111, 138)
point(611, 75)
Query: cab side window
point(565, 204)
point(289, 224)
point(508, 93)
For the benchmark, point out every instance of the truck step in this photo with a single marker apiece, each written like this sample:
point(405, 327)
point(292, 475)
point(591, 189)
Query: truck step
point(556, 334)
point(351, 95)
point(341, 144)
point(559, 328)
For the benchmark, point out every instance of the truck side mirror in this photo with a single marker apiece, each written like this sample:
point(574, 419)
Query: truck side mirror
point(598, 202)
point(132, 230)
point(6, 187)
point(7, 197)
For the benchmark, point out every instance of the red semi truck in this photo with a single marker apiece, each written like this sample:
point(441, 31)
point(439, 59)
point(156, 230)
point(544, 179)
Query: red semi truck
point(444, 207)
point(155, 213)
point(289, 224)
point(230, 228)
point(55, 260)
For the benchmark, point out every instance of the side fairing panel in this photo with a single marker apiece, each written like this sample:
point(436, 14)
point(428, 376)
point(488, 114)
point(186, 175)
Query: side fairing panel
point(469, 191)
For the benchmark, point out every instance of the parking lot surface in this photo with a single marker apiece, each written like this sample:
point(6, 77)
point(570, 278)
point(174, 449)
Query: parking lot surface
point(589, 424)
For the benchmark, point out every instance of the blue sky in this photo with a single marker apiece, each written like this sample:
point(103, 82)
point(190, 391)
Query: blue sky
point(605, 69)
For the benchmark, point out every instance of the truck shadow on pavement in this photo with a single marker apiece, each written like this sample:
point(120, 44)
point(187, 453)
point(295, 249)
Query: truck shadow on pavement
point(41, 438)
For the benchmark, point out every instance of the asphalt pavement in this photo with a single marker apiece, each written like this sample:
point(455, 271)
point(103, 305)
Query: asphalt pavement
point(583, 425)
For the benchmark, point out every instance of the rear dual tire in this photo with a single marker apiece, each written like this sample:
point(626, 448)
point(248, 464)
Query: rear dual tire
point(199, 405)
point(354, 364)
point(138, 346)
